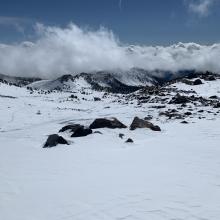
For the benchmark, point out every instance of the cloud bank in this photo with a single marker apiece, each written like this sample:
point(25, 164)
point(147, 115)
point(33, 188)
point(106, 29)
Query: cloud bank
point(71, 50)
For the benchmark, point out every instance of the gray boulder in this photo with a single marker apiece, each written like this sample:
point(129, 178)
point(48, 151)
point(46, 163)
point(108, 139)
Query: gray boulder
point(197, 82)
point(81, 132)
point(107, 123)
point(53, 140)
point(129, 140)
point(71, 127)
point(141, 123)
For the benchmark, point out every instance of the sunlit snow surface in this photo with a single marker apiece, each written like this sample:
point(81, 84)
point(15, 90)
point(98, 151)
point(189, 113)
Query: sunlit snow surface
point(173, 174)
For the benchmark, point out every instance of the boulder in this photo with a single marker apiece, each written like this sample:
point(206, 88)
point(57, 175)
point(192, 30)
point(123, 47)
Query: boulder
point(121, 135)
point(73, 97)
point(141, 123)
point(71, 127)
point(106, 123)
point(129, 141)
point(97, 99)
point(188, 113)
point(53, 140)
point(81, 132)
point(184, 122)
point(197, 82)
point(148, 118)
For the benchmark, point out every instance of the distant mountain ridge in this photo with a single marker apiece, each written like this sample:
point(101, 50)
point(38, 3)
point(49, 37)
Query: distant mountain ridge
point(118, 81)
point(18, 81)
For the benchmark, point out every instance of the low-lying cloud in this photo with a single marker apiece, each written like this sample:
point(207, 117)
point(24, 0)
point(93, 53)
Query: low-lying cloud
point(57, 51)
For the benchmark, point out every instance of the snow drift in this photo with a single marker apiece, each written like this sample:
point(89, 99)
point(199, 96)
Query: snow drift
point(57, 51)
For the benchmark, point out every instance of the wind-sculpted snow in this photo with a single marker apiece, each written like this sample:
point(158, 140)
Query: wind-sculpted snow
point(57, 51)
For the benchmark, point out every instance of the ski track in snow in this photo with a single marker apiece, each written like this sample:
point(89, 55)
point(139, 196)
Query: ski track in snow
point(173, 175)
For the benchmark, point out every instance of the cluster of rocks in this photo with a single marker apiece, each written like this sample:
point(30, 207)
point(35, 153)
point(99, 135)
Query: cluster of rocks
point(192, 83)
point(175, 103)
point(194, 78)
point(78, 130)
point(212, 101)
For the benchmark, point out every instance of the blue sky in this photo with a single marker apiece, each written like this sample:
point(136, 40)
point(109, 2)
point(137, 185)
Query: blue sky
point(149, 22)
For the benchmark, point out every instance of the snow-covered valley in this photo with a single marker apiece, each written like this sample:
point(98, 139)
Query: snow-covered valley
point(172, 174)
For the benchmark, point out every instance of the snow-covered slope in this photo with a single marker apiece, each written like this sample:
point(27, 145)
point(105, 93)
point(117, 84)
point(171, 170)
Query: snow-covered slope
point(102, 81)
point(172, 174)
point(117, 81)
point(19, 81)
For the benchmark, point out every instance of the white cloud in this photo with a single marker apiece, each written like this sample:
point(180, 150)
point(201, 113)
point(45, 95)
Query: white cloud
point(201, 7)
point(59, 51)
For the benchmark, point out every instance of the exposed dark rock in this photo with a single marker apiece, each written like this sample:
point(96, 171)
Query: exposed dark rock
point(148, 118)
point(106, 123)
point(129, 141)
point(179, 99)
point(73, 97)
point(172, 115)
point(155, 128)
point(201, 111)
point(72, 127)
point(217, 105)
point(158, 106)
point(208, 76)
point(66, 78)
point(186, 81)
point(143, 98)
point(38, 112)
point(97, 99)
point(184, 122)
point(121, 135)
point(213, 97)
point(188, 113)
point(81, 132)
point(197, 82)
point(53, 140)
point(97, 132)
point(141, 123)
point(7, 96)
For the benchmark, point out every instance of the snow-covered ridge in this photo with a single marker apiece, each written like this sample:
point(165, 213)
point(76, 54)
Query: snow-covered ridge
point(118, 81)
point(97, 81)
point(19, 81)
